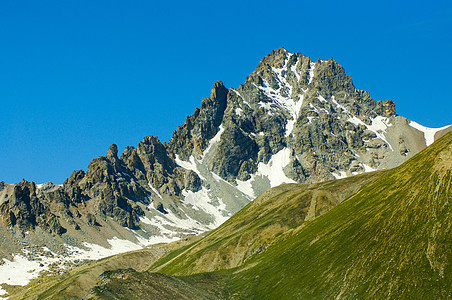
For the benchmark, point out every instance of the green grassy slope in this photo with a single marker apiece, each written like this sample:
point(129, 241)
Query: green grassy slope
point(393, 239)
point(129, 284)
point(255, 227)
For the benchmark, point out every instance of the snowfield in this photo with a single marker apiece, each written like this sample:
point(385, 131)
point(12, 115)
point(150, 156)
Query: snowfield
point(429, 133)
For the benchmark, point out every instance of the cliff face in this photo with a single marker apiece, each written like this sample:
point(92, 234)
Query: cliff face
point(293, 120)
point(26, 211)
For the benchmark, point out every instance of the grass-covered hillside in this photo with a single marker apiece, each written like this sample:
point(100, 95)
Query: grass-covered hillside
point(258, 225)
point(393, 239)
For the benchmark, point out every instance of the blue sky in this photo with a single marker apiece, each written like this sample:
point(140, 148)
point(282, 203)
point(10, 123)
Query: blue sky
point(77, 76)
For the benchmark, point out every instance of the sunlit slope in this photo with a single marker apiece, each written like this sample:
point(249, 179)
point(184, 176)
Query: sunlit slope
point(257, 226)
point(392, 239)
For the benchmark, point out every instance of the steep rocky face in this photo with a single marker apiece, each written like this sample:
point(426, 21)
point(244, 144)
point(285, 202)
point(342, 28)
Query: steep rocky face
point(199, 128)
point(25, 211)
point(310, 109)
point(293, 120)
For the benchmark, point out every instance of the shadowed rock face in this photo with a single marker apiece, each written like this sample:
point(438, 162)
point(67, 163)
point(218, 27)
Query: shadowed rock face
point(26, 211)
point(293, 120)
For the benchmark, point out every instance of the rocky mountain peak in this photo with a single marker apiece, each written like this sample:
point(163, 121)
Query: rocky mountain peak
point(112, 152)
point(199, 128)
point(218, 92)
point(293, 120)
point(276, 58)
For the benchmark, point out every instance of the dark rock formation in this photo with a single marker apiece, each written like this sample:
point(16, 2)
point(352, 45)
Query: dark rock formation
point(25, 210)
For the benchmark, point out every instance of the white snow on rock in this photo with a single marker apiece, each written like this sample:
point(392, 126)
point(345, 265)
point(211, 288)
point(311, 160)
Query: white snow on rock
point(341, 174)
point(311, 71)
point(20, 270)
point(117, 246)
point(187, 223)
point(273, 170)
point(282, 97)
point(378, 126)
point(97, 251)
point(216, 139)
point(189, 165)
point(429, 133)
point(238, 94)
point(170, 219)
point(200, 200)
point(246, 187)
point(321, 99)
point(155, 190)
point(145, 220)
point(293, 68)
point(367, 168)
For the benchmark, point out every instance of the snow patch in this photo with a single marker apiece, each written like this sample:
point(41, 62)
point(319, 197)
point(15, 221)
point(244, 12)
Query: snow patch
point(367, 168)
point(273, 170)
point(293, 68)
point(378, 126)
point(145, 220)
point(321, 99)
point(200, 200)
point(212, 142)
point(155, 190)
point(244, 101)
point(20, 270)
point(97, 251)
point(117, 246)
point(191, 164)
point(287, 103)
point(311, 72)
point(429, 133)
point(380, 123)
point(283, 96)
point(170, 219)
point(341, 175)
point(246, 187)
point(187, 223)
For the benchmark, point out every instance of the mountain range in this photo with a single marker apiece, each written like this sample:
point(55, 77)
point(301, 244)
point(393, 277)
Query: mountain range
point(384, 234)
point(292, 121)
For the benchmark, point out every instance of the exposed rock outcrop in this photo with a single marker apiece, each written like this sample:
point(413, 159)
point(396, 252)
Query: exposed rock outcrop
point(25, 210)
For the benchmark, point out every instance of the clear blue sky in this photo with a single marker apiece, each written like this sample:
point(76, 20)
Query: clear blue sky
point(76, 76)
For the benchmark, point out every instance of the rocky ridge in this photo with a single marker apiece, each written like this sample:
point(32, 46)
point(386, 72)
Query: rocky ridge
point(293, 120)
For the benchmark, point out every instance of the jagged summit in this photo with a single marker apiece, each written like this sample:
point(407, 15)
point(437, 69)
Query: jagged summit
point(292, 120)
